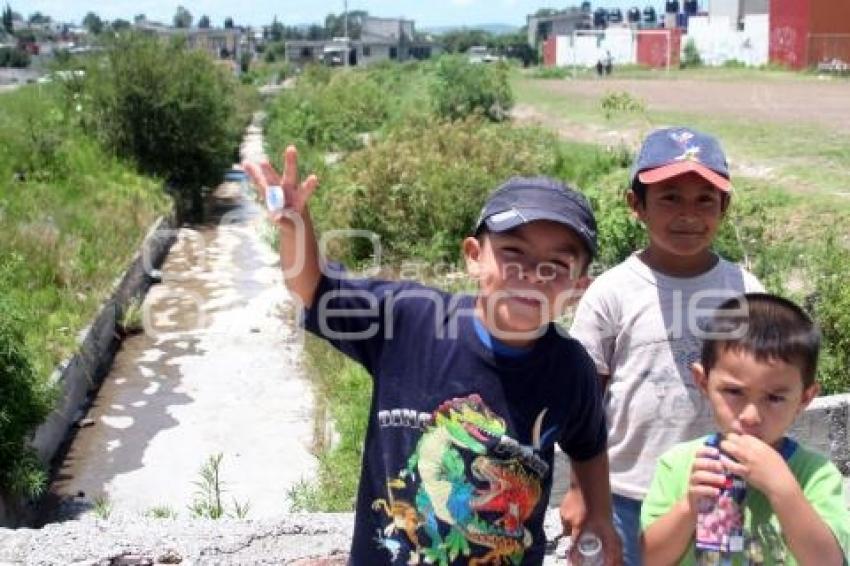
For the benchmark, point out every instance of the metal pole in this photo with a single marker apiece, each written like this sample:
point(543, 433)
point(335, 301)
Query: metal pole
point(345, 18)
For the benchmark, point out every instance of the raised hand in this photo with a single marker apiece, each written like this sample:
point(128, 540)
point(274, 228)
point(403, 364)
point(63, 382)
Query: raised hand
point(295, 195)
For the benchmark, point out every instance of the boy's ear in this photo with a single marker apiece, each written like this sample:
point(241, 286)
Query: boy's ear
point(809, 393)
point(634, 204)
point(472, 256)
point(700, 377)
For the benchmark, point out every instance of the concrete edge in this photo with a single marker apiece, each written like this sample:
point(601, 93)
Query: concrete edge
point(81, 375)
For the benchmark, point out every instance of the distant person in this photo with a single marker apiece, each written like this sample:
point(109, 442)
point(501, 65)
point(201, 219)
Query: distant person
point(757, 370)
point(640, 320)
point(604, 64)
point(470, 393)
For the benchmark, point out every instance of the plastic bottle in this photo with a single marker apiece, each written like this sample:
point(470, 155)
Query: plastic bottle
point(720, 522)
point(275, 200)
point(590, 551)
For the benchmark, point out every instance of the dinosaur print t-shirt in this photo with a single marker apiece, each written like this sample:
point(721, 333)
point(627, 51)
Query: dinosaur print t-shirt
point(458, 456)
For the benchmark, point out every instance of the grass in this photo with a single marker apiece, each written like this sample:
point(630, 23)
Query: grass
point(800, 158)
point(702, 73)
point(347, 389)
point(72, 218)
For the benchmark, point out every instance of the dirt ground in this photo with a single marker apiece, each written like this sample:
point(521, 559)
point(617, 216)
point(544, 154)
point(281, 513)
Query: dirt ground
point(823, 102)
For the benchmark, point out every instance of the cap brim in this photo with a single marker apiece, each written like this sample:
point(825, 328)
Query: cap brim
point(678, 168)
point(526, 215)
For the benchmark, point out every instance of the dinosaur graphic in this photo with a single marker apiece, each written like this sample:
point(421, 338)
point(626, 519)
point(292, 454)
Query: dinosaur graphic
point(403, 515)
point(502, 548)
point(511, 492)
point(449, 512)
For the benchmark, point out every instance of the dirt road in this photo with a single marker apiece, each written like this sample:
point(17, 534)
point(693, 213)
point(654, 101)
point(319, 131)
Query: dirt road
point(822, 102)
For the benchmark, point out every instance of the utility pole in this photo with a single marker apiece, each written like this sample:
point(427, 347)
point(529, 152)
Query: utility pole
point(345, 32)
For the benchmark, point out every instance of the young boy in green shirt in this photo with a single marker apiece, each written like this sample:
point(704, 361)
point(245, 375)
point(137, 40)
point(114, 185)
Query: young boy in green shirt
point(757, 370)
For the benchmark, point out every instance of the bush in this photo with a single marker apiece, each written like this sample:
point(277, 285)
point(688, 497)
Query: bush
point(421, 188)
point(462, 89)
point(831, 306)
point(621, 102)
point(690, 55)
point(551, 73)
point(169, 109)
point(14, 57)
point(327, 111)
point(24, 404)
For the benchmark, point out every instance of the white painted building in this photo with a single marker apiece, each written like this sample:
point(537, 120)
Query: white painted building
point(718, 41)
point(583, 48)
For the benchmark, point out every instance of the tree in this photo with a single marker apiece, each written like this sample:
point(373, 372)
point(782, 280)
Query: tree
point(93, 23)
point(39, 18)
point(315, 32)
point(690, 55)
point(120, 25)
point(169, 109)
point(276, 31)
point(228, 23)
point(139, 19)
point(182, 18)
point(204, 22)
point(7, 19)
point(459, 41)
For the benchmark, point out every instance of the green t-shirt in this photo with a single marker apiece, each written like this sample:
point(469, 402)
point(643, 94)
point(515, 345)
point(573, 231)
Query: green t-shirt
point(820, 480)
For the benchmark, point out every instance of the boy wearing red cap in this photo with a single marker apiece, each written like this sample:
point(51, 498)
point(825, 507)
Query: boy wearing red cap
point(641, 320)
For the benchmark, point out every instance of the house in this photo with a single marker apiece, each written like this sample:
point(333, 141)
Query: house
point(227, 43)
point(381, 39)
point(541, 28)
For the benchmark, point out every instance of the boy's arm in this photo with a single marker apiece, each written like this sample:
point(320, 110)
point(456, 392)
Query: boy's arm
point(591, 477)
point(668, 537)
point(299, 256)
point(809, 538)
point(573, 509)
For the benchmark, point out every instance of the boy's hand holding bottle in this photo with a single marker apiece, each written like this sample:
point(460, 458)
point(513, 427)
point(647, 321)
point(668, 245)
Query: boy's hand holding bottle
point(759, 464)
point(282, 192)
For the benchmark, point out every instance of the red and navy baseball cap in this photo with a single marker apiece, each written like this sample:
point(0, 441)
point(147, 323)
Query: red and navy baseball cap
point(521, 200)
point(670, 152)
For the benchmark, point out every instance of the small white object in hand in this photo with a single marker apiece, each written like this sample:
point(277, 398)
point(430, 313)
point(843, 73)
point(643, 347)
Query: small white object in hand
point(275, 201)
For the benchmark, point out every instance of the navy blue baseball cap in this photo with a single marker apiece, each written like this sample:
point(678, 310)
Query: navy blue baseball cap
point(671, 152)
point(521, 200)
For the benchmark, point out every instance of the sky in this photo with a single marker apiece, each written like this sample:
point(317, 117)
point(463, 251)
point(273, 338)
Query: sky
point(261, 12)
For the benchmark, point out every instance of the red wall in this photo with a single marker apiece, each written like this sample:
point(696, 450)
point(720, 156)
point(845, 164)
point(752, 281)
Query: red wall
point(652, 48)
point(830, 29)
point(789, 32)
point(549, 52)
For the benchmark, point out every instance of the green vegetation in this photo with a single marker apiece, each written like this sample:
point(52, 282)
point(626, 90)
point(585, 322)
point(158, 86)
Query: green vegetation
point(24, 403)
point(161, 512)
point(173, 111)
point(74, 206)
point(102, 508)
point(14, 57)
point(621, 102)
point(72, 216)
point(346, 388)
point(690, 55)
point(208, 503)
point(462, 88)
